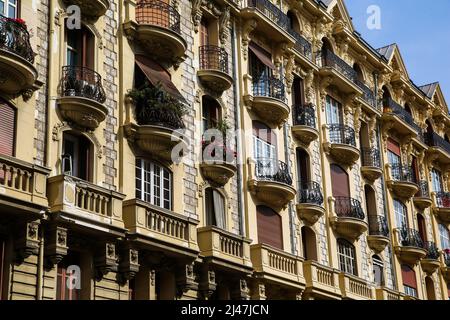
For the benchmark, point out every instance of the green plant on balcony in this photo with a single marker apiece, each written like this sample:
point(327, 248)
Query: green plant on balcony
point(154, 106)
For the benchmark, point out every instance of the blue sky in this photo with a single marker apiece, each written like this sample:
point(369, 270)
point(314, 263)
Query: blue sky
point(420, 28)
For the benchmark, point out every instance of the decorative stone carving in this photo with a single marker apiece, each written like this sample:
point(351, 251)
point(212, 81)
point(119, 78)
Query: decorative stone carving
point(224, 25)
point(247, 28)
point(208, 284)
point(55, 245)
point(241, 291)
point(196, 13)
point(27, 242)
point(106, 260)
point(185, 279)
point(60, 127)
point(129, 264)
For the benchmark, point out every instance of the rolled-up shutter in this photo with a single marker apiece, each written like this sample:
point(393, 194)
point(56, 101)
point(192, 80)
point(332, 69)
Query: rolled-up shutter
point(409, 277)
point(393, 147)
point(269, 227)
point(7, 129)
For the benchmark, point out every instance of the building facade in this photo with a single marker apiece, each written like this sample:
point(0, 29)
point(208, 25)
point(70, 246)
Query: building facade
point(331, 182)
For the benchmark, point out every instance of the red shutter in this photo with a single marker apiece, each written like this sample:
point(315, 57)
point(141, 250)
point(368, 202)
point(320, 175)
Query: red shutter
point(409, 277)
point(7, 129)
point(339, 181)
point(393, 146)
point(269, 227)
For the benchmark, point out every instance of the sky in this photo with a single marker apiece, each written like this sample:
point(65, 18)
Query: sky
point(420, 28)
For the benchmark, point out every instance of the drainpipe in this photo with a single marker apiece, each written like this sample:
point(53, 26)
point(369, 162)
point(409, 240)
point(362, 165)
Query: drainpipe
point(237, 120)
point(40, 271)
point(291, 213)
point(49, 84)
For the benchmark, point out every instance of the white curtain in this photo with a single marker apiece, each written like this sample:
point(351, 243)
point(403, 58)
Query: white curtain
point(219, 209)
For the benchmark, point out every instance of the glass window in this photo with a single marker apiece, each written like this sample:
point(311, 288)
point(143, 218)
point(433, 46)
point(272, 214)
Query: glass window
point(68, 286)
point(436, 180)
point(400, 214)
point(215, 208)
point(444, 235)
point(334, 110)
point(153, 184)
point(347, 257)
point(378, 271)
point(8, 8)
point(77, 156)
point(410, 291)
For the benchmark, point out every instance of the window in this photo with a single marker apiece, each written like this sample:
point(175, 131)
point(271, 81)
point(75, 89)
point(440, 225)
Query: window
point(9, 8)
point(263, 141)
point(153, 184)
point(309, 244)
point(400, 214)
point(68, 286)
point(7, 128)
point(2, 261)
point(211, 113)
point(347, 257)
point(269, 227)
point(444, 236)
point(409, 281)
point(80, 48)
point(436, 180)
point(77, 156)
point(378, 270)
point(215, 208)
point(334, 111)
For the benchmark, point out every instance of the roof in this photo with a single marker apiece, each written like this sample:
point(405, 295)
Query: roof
point(429, 89)
point(387, 51)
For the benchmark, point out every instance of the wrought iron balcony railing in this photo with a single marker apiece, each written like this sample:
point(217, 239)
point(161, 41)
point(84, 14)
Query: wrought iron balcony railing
point(371, 157)
point(424, 190)
point(368, 94)
point(268, 169)
point(326, 58)
point(348, 208)
point(432, 250)
point(390, 106)
point(304, 115)
point(158, 13)
point(310, 192)
point(272, 12)
point(403, 173)
point(82, 82)
point(411, 238)
point(342, 134)
point(378, 226)
point(443, 199)
point(271, 87)
point(435, 140)
point(213, 58)
point(14, 38)
point(301, 44)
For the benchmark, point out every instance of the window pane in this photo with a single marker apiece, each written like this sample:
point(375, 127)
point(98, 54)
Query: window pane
point(153, 184)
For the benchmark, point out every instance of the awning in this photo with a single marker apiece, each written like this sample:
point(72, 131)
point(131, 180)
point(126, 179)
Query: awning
point(261, 54)
point(157, 74)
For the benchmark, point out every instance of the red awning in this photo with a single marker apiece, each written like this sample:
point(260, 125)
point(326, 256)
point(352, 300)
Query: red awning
point(157, 74)
point(261, 54)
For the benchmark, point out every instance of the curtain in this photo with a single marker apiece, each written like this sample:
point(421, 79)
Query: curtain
point(208, 207)
point(219, 209)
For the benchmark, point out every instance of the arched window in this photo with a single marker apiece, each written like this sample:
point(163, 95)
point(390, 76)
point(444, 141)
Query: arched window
point(77, 156)
point(386, 93)
point(408, 109)
point(346, 257)
point(7, 128)
point(401, 214)
point(211, 113)
point(270, 230)
point(153, 183)
point(294, 24)
point(444, 236)
point(9, 8)
point(429, 284)
point(409, 281)
point(326, 45)
point(309, 244)
point(80, 47)
point(378, 273)
point(215, 208)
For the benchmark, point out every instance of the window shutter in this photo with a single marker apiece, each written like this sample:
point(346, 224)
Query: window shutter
point(269, 227)
point(7, 129)
point(409, 277)
point(393, 147)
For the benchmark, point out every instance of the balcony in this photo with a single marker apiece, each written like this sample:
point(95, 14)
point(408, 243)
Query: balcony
point(343, 76)
point(91, 9)
point(304, 125)
point(368, 97)
point(422, 198)
point(321, 282)
point(399, 119)
point(156, 26)
point(85, 203)
point(431, 261)
point(388, 294)
point(82, 97)
point(371, 164)
point(347, 217)
point(401, 180)
point(355, 288)
point(271, 182)
point(445, 270)
point(22, 186)
point(17, 72)
point(378, 237)
point(441, 207)
point(341, 144)
point(302, 48)
point(225, 249)
point(267, 99)
point(439, 147)
point(213, 71)
point(218, 163)
point(310, 202)
point(277, 267)
point(408, 245)
point(160, 228)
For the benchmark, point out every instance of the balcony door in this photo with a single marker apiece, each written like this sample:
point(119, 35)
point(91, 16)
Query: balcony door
point(77, 156)
point(298, 97)
point(339, 182)
point(9, 8)
point(401, 217)
point(270, 231)
point(393, 152)
point(302, 166)
point(264, 141)
point(334, 111)
point(204, 33)
point(436, 180)
point(80, 48)
point(422, 227)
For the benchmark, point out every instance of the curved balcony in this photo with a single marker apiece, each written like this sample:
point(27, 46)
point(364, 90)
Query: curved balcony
point(304, 124)
point(268, 100)
point(17, 72)
point(431, 261)
point(347, 217)
point(422, 199)
point(272, 182)
point(445, 270)
point(213, 71)
point(91, 9)
point(310, 202)
point(81, 97)
point(341, 144)
point(409, 246)
point(401, 180)
point(218, 163)
point(371, 164)
point(398, 118)
point(158, 134)
point(158, 29)
point(378, 237)
point(439, 148)
point(441, 207)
